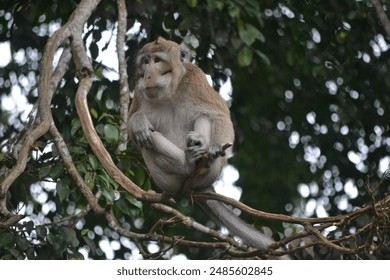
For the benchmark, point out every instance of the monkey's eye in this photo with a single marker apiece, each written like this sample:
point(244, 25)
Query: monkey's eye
point(157, 59)
point(183, 56)
point(146, 61)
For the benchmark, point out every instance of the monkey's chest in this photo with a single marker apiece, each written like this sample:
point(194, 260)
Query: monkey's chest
point(174, 124)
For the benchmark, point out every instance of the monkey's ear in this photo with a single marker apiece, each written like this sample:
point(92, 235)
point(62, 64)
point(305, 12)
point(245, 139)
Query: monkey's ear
point(159, 40)
point(186, 55)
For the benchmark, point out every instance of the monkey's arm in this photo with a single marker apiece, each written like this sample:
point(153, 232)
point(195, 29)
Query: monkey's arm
point(139, 130)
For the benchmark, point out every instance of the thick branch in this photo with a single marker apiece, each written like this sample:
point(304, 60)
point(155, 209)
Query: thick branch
point(123, 82)
point(285, 218)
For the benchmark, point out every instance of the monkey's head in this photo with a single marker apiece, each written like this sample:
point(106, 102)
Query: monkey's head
point(160, 66)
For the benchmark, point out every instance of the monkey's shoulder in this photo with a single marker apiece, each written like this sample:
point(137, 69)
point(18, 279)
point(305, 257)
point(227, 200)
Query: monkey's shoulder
point(195, 84)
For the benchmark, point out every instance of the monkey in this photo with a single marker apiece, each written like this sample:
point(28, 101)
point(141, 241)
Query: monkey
point(176, 118)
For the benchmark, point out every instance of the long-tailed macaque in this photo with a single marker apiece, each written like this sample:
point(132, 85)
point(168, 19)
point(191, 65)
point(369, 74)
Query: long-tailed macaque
point(176, 118)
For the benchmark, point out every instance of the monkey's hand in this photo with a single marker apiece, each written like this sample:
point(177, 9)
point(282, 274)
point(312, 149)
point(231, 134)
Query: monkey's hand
point(141, 128)
point(196, 147)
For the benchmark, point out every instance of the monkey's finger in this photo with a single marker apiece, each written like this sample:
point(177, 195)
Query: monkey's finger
point(194, 139)
point(197, 150)
point(144, 140)
point(148, 143)
point(148, 140)
point(227, 145)
point(140, 142)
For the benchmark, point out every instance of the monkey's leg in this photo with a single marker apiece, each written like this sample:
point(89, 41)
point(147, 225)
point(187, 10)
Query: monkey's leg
point(168, 156)
point(203, 126)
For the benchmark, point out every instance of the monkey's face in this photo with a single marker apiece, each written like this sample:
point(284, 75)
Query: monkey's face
point(159, 67)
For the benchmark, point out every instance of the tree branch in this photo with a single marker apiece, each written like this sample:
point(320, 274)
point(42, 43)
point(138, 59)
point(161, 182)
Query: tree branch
point(383, 19)
point(123, 78)
point(43, 119)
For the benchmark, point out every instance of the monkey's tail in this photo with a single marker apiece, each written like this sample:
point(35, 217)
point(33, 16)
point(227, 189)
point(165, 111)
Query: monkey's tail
point(224, 216)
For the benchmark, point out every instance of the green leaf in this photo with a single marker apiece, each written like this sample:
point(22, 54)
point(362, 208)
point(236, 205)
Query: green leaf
point(56, 171)
point(41, 232)
point(107, 116)
point(220, 5)
point(192, 3)
point(249, 34)
point(62, 191)
point(245, 56)
point(93, 162)
point(77, 150)
point(44, 171)
point(234, 11)
point(17, 254)
point(100, 129)
point(106, 180)
point(108, 193)
point(90, 180)
point(76, 125)
point(257, 33)
point(75, 256)
point(57, 241)
point(94, 113)
point(290, 58)
point(139, 175)
point(263, 57)
point(69, 235)
point(6, 239)
point(90, 244)
point(30, 253)
point(134, 201)
point(22, 243)
point(111, 133)
point(123, 207)
point(28, 226)
point(147, 185)
point(247, 37)
point(82, 167)
point(51, 239)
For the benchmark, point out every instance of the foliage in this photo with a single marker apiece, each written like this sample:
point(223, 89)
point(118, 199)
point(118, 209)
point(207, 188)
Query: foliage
point(310, 105)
